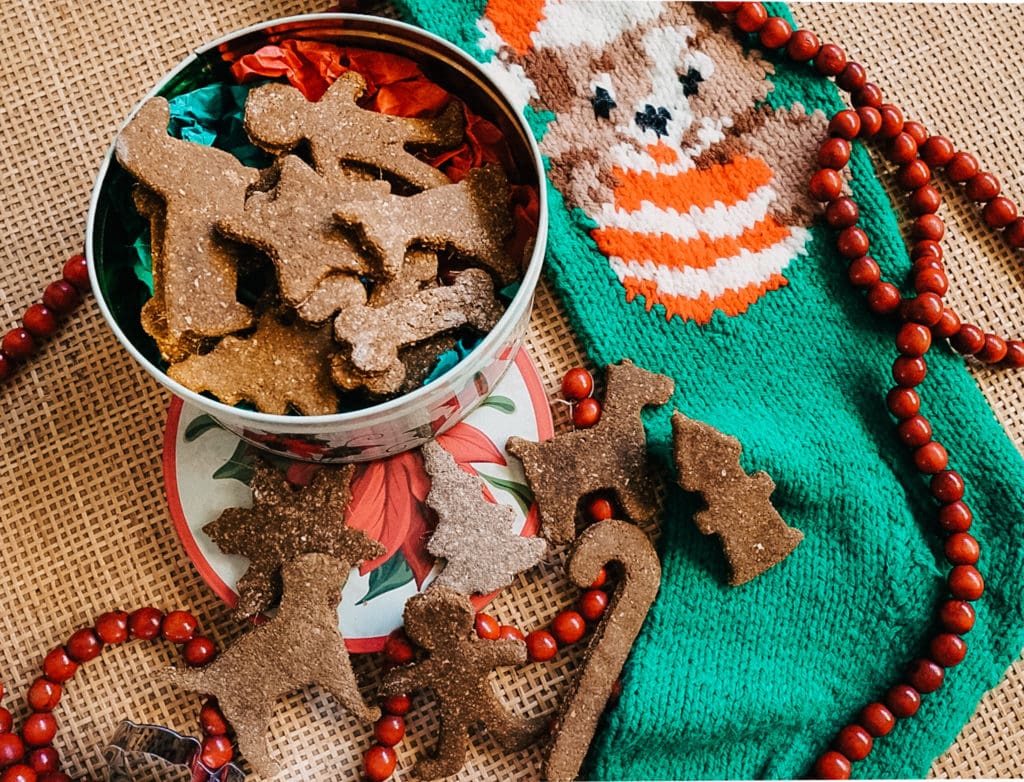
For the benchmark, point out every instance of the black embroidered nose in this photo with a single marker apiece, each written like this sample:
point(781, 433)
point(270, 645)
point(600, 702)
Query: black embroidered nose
point(690, 81)
point(656, 120)
point(602, 102)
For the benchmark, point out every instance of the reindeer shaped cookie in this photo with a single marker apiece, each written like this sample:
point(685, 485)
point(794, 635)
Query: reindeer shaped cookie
point(659, 136)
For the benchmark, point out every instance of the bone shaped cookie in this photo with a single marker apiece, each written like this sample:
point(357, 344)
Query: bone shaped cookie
point(278, 117)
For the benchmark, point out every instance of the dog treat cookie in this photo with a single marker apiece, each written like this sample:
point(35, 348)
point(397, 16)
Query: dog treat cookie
point(294, 226)
point(301, 645)
point(419, 271)
point(739, 511)
point(375, 334)
point(472, 217)
point(332, 294)
point(581, 707)
point(610, 456)
point(199, 186)
point(476, 538)
point(284, 523)
point(278, 117)
point(277, 367)
point(456, 669)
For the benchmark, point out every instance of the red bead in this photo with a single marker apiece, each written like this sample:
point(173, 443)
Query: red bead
point(397, 704)
point(19, 773)
point(915, 431)
point(926, 248)
point(750, 17)
point(999, 212)
point(61, 296)
point(993, 351)
point(802, 46)
point(39, 729)
point(18, 344)
point(948, 649)
point(983, 186)
point(877, 719)
point(948, 324)
point(854, 742)
point(511, 633)
point(487, 626)
point(928, 227)
point(962, 166)
point(947, 486)
point(826, 184)
point(925, 308)
point(903, 402)
point(776, 33)
point(389, 730)
point(925, 675)
point(961, 548)
point(541, 646)
point(931, 458)
point(842, 212)
point(883, 298)
point(931, 281)
point(869, 94)
point(966, 583)
point(909, 372)
point(834, 153)
point(852, 77)
point(830, 60)
point(600, 509)
point(144, 623)
point(917, 131)
point(602, 577)
point(6, 721)
point(199, 651)
point(215, 752)
point(844, 124)
point(968, 340)
point(957, 616)
point(84, 645)
point(12, 749)
point(397, 648)
point(179, 627)
point(852, 242)
point(6, 367)
point(924, 200)
point(39, 320)
point(112, 627)
point(44, 695)
point(726, 8)
point(955, 517)
point(568, 627)
point(1014, 354)
point(870, 121)
point(863, 272)
point(211, 721)
point(379, 763)
point(913, 175)
point(892, 125)
point(903, 701)
point(913, 339)
point(831, 765)
point(592, 604)
point(76, 271)
point(937, 151)
point(1014, 233)
point(577, 383)
point(902, 149)
point(58, 666)
point(44, 759)
point(586, 413)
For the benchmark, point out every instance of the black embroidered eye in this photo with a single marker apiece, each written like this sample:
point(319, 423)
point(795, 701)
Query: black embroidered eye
point(690, 81)
point(654, 119)
point(603, 103)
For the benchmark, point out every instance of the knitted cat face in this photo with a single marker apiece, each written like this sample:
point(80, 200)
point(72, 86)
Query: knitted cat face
point(697, 191)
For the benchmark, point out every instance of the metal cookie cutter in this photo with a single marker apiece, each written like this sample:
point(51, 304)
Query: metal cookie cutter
point(150, 753)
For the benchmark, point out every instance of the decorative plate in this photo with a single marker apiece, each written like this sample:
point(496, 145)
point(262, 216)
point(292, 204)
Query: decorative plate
point(208, 469)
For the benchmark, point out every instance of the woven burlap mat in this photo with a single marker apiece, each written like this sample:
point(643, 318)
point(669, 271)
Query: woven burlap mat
point(85, 526)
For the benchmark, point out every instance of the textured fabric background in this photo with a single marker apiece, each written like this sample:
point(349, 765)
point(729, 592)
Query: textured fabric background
point(85, 526)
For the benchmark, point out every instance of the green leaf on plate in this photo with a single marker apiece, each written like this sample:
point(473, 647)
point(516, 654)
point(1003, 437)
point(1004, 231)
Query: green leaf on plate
point(199, 425)
point(502, 403)
point(392, 574)
point(239, 464)
point(518, 490)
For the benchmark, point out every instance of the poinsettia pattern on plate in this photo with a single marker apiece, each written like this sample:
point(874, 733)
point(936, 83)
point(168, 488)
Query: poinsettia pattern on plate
point(208, 469)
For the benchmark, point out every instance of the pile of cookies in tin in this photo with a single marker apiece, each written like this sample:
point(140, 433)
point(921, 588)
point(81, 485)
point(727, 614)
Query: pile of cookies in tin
point(373, 263)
